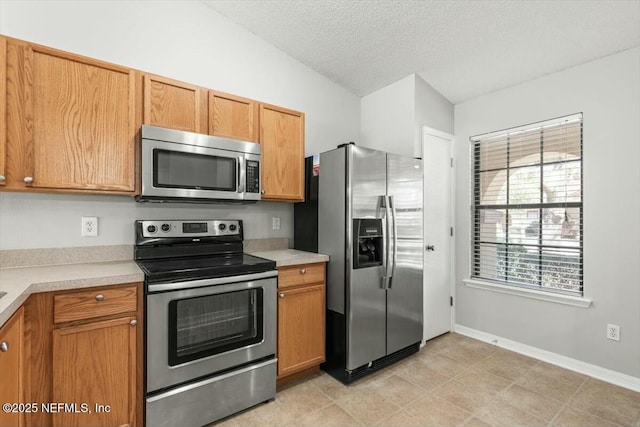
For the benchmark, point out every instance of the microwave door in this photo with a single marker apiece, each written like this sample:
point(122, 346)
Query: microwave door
point(180, 171)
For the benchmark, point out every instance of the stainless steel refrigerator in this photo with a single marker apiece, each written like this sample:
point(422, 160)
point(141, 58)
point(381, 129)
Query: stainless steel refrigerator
point(370, 224)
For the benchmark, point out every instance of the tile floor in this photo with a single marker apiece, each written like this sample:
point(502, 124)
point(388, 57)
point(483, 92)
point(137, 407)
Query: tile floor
point(452, 381)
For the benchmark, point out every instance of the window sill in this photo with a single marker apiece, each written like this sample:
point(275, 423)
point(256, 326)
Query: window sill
point(528, 293)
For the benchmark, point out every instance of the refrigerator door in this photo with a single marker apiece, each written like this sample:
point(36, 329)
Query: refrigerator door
point(404, 297)
point(366, 298)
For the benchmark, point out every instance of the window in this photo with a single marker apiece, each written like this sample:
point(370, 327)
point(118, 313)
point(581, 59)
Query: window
point(527, 206)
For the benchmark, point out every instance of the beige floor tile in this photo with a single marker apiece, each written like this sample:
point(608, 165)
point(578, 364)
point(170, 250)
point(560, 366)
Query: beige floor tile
point(420, 374)
point(608, 401)
point(302, 398)
point(476, 422)
point(483, 380)
point(444, 365)
point(433, 411)
point(366, 406)
point(396, 390)
point(507, 364)
point(552, 381)
point(466, 396)
point(400, 419)
point(332, 387)
point(331, 416)
point(536, 404)
point(465, 355)
point(500, 413)
point(438, 344)
point(571, 417)
point(265, 415)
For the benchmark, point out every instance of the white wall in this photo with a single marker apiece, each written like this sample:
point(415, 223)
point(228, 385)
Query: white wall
point(432, 110)
point(188, 41)
point(607, 91)
point(388, 118)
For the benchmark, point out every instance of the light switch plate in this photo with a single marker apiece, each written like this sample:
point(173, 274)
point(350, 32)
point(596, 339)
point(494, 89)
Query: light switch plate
point(276, 223)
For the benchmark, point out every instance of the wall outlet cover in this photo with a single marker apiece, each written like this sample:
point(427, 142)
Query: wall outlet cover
point(276, 223)
point(613, 332)
point(89, 226)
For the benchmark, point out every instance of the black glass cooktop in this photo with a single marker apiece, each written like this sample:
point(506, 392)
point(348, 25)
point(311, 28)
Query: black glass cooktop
point(203, 267)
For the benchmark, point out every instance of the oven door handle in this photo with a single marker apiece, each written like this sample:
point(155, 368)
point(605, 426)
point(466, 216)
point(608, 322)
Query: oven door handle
point(170, 286)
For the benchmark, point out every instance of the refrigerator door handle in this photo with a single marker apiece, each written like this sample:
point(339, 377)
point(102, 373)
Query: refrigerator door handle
point(386, 242)
point(394, 252)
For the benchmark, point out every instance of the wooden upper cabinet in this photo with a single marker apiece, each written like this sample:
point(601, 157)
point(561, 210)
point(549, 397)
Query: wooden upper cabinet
point(11, 368)
point(233, 116)
point(80, 123)
point(3, 108)
point(282, 140)
point(173, 104)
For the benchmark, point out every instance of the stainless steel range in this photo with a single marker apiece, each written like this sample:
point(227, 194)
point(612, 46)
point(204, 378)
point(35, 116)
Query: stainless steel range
point(211, 321)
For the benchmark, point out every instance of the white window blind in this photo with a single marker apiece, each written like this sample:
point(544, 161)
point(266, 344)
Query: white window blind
point(527, 206)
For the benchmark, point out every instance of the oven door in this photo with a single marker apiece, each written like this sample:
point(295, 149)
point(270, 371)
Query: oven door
point(202, 327)
point(171, 171)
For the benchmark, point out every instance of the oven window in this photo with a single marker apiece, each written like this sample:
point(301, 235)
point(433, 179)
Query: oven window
point(212, 324)
point(175, 169)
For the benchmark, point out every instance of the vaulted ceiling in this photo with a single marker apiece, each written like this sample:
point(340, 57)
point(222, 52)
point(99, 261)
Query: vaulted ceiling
point(462, 48)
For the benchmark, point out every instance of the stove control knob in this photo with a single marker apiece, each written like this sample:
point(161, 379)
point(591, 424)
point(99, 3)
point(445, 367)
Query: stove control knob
point(232, 227)
point(151, 229)
point(165, 227)
point(221, 227)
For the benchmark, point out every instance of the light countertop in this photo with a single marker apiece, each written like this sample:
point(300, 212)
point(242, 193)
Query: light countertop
point(21, 282)
point(286, 257)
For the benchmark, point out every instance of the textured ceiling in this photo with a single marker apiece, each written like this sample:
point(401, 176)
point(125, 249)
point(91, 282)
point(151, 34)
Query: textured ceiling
point(462, 48)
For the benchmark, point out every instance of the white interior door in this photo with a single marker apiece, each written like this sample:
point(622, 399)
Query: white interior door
point(436, 154)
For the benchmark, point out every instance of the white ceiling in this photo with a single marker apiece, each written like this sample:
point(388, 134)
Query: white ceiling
point(462, 48)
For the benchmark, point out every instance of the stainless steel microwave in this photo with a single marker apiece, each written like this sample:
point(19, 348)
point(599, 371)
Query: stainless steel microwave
point(179, 166)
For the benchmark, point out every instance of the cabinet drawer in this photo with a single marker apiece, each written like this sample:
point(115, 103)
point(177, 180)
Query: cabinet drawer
point(94, 303)
point(300, 275)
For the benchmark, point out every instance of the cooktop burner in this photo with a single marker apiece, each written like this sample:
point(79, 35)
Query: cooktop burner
point(206, 267)
point(174, 251)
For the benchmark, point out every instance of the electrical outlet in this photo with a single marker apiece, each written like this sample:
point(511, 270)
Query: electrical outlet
point(89, 226)
point(275, 223)
point(613, 332)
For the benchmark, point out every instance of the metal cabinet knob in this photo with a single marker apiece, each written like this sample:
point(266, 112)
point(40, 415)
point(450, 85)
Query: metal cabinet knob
point(99, 297)
point(134, 322)
point(431, 248)
point(281, 295)
point(28, 179)
point(261, 191)
point(303, 271)
point(4, 346)
point(2, 178)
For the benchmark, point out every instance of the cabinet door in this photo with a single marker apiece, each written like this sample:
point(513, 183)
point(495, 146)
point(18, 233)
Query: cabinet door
point(172, 104)
point(3, 108)
point(301, 328)
point(11, 357)
point(232, 116)
point(96, 364)
point(80, 122)
point(282, 140)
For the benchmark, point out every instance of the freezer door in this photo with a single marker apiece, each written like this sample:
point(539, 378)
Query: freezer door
point(404, 297)
point(366, 298)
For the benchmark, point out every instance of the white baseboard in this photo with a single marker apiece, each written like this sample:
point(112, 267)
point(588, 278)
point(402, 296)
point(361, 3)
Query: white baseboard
point(613, 377)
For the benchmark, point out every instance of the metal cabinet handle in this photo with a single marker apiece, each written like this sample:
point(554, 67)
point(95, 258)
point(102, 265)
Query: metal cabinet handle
point(28, 179)
point(303, 271)
point(99, 297)
point(134, 322)
point(4, 346)
point(2, 178)
point(281, 295)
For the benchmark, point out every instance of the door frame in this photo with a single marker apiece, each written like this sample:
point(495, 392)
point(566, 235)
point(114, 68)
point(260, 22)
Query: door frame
point(427, 131)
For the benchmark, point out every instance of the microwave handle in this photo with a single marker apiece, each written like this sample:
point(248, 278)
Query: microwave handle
point(241, 175)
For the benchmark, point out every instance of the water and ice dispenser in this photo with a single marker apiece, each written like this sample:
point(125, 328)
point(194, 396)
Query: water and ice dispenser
point(368, 244)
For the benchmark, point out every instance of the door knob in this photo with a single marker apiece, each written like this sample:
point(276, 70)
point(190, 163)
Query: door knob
point(28, 179)
point(2, 178)
point(134, 322)
point(99, 297)
point(281, 295)
point(4, 346)
point(430, 248)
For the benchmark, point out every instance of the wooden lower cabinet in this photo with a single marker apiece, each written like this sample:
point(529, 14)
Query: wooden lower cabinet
point(11, 369)
point(301, 324)
point(95, 365)
point(93, 362)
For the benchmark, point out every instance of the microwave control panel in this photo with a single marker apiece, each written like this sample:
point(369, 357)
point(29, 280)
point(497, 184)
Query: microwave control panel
point(253, 176)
